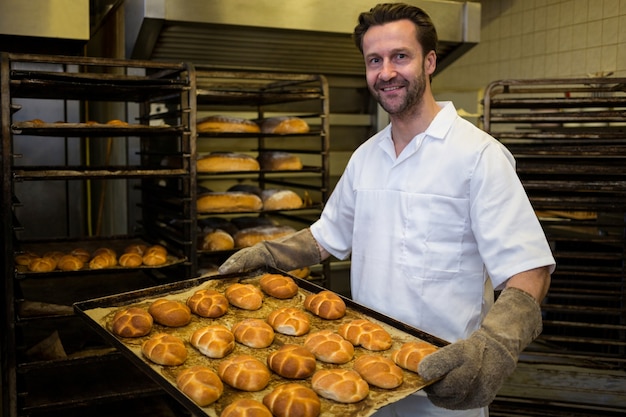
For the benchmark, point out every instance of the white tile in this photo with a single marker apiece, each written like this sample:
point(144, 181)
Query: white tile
point(609, 30)
point(595, 10)
point(566, 13)
point(552, 40)
point(610, 8)
point(581, 8)
point(608, 60)
point(594, 34)
point(593, 60)
point(566, 38)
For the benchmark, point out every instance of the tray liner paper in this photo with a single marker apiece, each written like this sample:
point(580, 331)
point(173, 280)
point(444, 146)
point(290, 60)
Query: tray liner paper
point(100, 318)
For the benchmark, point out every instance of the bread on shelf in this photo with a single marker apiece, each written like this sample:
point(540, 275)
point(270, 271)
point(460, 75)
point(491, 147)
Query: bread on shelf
point(227, 162)
point(226, 124)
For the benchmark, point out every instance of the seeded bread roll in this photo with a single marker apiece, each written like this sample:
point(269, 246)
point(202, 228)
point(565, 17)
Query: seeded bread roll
point(170, 313)
point(293, 399)
point(325, 304)
point(200, 384)
point(130, 260)
point(244, 296)
point(279, 161)
point(208, 303)
point(244, 372)
point(284, 125)
point(228, 124)
point(290, 321)
point(254, 333)
point(292, 361)
point(328, 346)
point(341, 385)
point(274, 199)
point(165, 349)
point(44, 264)
point(214, 341)
point(217, 240)
point(364, 333)
point(132, 322)
point(231, 201)
point(379, 371)
point(278, 286)
point(70, 263)
point(246, 407)
point(411, 354)
point(227, 162)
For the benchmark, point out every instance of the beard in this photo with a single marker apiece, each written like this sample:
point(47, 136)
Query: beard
point(406, 104)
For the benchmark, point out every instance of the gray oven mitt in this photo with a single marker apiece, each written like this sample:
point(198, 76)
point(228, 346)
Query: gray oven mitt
point(473, 370)
point(287, 253)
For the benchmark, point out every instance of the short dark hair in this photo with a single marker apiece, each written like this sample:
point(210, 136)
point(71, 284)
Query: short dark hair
point(390, 12)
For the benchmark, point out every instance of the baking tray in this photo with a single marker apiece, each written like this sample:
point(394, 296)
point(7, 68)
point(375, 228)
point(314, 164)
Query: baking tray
point(98, 314)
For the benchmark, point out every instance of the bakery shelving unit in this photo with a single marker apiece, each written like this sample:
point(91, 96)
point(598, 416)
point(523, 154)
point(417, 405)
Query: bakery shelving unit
point(569, 140)
point(257, 96)
point(52, 364)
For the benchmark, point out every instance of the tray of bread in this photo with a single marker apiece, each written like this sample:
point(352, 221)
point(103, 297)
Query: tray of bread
point(265, 339)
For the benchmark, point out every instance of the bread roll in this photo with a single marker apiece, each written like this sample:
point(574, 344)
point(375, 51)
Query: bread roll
point(274, 199)
point(284, 125)
point(104, 250)
point(253, 235)
point(290, 321)
point(70, 263)
point(244, 372)
point(278, 286)
point(301, 273)
point(411, 354)
point(225, 202)
point(165, 349)
point(254, 333)
point(246, 188)
point(279, 161)
point(138, 248)
point(208, 303)
point(379, 371)
point(44, 264)
point(103, 260)
point(170, 313)
point(246, 407)
point(217, 240)
point(225, 124)
point(293, 399)
point(130, 260)
point(24, 258)
point(244, 296)
point(325, 304)
point(341, 385)
point(116, 122)
point(156, 249)
point(214, 341)
point(330, 347)
point(131, 322)
point(292, 361)
point(81, 254)
point(154, 257)
point(364, 333)
point(200, 384)
point(227, 162)
point(54, 254)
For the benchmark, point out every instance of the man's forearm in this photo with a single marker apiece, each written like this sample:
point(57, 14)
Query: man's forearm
point(534, 282)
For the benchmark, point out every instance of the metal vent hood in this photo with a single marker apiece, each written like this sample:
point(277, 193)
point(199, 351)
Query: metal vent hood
point(303, 36)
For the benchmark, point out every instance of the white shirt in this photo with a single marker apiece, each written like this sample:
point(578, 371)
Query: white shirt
point(425, 229)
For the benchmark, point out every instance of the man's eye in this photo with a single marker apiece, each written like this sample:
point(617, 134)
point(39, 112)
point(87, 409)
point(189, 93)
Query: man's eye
point(401, 56)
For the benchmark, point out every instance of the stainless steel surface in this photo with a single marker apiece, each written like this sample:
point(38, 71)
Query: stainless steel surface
point(64, 19)
point(298, 36)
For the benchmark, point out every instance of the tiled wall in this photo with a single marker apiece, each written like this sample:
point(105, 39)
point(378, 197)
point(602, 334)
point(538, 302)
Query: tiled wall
point(541, 39)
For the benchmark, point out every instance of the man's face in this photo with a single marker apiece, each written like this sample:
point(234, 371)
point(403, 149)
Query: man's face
point(396, 72)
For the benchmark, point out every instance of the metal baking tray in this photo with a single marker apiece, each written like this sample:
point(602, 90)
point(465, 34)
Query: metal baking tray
point(98, 314)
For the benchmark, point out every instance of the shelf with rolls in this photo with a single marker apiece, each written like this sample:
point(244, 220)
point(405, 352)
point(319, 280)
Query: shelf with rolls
point(83, 174)
point(261, 137)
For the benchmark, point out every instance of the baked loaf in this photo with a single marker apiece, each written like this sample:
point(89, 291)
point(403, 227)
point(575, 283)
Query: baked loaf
point(138, 248)
point(292, 361)
point(131, 322)
point(117, 122)
point(225, 202)
point(200, 384)
point(214, 341)
point(379, 371)
point(82, 254)
point(23, 259)
point(274, 199)
point(227, 162)
point(104, 251)
point(254, 333)
point(170, 313)
point(54, 254)
point(70, 263)
point(208, 303)
point(411, 354)
point(216, 240)
point(244, 372)
point(284, 125)
point(165, 349)
point(290, 321)
point(278, 286)
point(155, 255)
point(244, 296)
point(364, 333)
point(246, 407)
point(328, 346)
point(43, 264)
point(219, 123)
point(293, 399)
point(325, 304)
point(341, 385)
point(279, 161)
point(130, 260)
point(301, 273)
point(102, 261)
point(253, 235)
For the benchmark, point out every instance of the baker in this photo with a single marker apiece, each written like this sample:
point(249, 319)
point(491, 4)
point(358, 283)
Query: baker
point(434, 217)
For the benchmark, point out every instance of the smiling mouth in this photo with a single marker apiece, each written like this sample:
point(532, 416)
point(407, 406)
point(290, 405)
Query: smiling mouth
point(390, 88)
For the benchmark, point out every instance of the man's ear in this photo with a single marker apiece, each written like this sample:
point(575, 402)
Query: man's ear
point(430, 62)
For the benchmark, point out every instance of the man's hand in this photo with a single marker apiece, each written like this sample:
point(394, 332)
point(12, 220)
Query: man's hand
point(473, 370)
